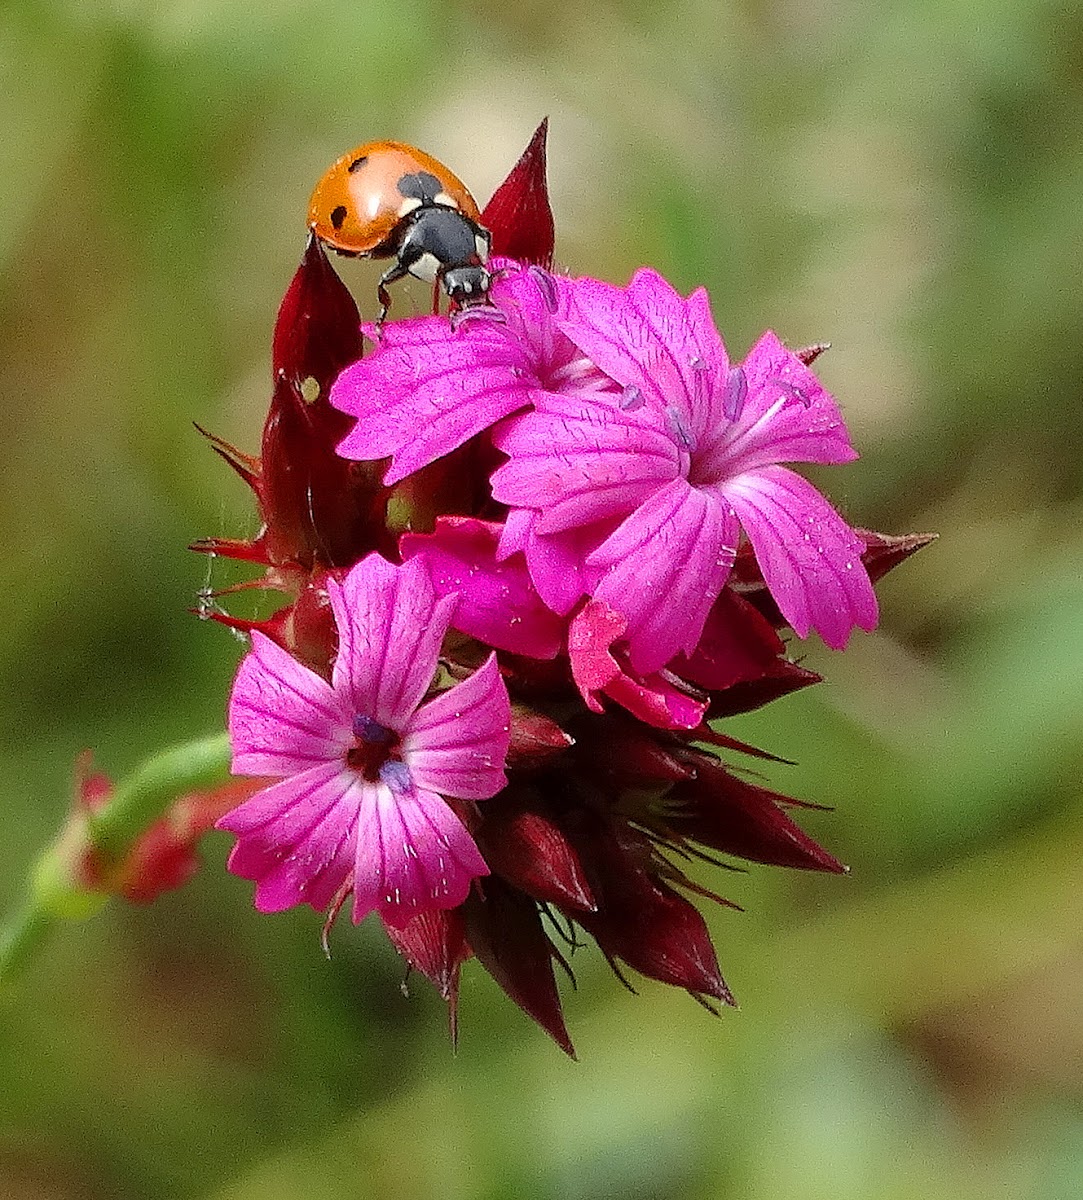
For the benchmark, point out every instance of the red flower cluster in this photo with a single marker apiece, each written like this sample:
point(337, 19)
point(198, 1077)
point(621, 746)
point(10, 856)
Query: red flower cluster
point(605, 797)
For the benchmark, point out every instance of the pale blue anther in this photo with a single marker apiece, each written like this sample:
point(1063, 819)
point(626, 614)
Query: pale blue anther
point(735, 393)
point(699, 383)
point(631, 398)
point(396, 776)
point(371, 732)
point(678, 427)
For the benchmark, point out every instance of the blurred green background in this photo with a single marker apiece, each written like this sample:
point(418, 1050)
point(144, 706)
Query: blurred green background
point(904, 180)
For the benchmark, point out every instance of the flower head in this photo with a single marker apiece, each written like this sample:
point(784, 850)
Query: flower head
point(668, 471)
point(363, 765)
point(600, 542)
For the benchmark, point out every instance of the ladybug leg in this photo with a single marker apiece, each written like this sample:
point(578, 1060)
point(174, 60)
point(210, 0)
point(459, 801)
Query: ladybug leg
point(394, 272)
point(437, 287)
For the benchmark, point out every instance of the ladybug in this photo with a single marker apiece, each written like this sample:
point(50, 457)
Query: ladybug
point(388, 199)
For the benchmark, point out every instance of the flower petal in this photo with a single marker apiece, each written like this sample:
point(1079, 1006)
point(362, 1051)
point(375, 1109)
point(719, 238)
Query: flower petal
point(413, 854)
point(556, 561)
point(428, 388)
point(787, 416)
point(596, 668)
point(457, 743)
point(647, 336)
point(283, 718)
point(296, 837)
point(809, 556)
point(738, 644)
point(664, 567)
point(498, 604)
point(580, 458)
point(390, 627)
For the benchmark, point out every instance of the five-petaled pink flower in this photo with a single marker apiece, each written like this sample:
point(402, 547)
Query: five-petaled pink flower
point(363, 764)
point(658, 479)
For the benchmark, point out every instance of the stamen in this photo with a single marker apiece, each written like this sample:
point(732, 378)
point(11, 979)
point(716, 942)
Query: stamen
point(678, 427)
point(699, 382)
point(631, 398)
point(371, 732)
point(789, 390)
point(735, 394)
point(396, 775)
point(546, 286)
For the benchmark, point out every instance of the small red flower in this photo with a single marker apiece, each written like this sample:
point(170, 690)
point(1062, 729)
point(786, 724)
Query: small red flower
point(164, 857)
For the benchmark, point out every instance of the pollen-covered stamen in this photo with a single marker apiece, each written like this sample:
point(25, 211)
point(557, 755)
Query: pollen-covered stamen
point(679, 429)
point(375, 748)
point(735, 393)
point(396, 775)
point(546, 286)
point(631, 398)
point(367, 729)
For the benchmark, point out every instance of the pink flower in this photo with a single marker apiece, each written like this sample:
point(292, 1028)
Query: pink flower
point(363, 765)
point(667, 472)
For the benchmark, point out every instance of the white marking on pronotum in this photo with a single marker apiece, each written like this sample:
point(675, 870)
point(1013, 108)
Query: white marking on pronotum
point(444, 199)
point(426, 268)
point(408, 206)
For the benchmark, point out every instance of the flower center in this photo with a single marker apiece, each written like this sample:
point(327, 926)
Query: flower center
point(375, 747)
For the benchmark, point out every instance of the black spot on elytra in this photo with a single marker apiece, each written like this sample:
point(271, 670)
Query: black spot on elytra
point(338, 216)
point(358, 163)
point(421, 186)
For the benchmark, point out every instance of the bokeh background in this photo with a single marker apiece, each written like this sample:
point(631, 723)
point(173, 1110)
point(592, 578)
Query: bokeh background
point(902, 179)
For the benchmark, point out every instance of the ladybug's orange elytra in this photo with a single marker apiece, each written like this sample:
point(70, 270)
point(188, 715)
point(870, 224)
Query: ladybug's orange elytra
point(389, 199)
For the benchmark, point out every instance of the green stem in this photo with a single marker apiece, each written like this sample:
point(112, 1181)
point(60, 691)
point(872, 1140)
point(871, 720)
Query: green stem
point(152, 787)
point(58, 888)
point(20, 939)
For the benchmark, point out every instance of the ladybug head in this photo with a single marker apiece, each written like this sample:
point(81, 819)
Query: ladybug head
point(467, 285)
